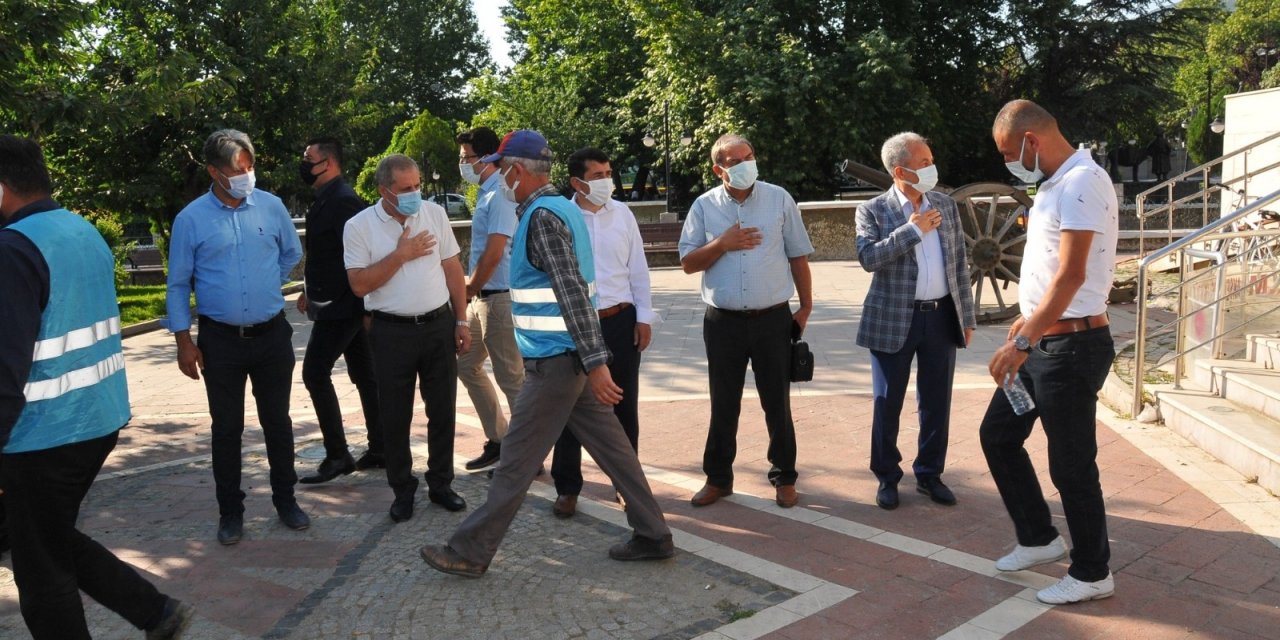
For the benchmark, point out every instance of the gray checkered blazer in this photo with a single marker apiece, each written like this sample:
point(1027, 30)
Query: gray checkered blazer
point(886, 248)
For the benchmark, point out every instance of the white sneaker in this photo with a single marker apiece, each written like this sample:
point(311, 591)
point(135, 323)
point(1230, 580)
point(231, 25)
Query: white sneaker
point(1070, 590)
point(1026, 557)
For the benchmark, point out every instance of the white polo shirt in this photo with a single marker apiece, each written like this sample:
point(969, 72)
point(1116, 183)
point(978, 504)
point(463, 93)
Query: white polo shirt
point(622, 272)
point(1078, 196)
point(419, 286)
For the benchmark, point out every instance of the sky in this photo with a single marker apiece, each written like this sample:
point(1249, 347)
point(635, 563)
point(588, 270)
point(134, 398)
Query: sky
point(489, 14)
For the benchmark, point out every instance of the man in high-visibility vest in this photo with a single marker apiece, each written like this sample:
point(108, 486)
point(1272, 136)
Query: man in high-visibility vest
point(63, 401)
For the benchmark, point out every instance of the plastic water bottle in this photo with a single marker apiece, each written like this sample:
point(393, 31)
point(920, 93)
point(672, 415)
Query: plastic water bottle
point(1016, 392)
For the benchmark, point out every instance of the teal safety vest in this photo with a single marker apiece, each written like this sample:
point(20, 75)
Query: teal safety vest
point(77, 389)
point(540, 327)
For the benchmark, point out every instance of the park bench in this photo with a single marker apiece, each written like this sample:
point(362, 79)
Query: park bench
point(146, 262)
point(660, 236)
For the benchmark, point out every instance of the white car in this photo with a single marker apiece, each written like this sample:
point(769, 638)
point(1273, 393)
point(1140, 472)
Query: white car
point(453, 203)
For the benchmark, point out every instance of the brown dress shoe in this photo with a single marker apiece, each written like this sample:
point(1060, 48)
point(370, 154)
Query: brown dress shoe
point(444, 559)
point(565, 506)
point(787, 496)
point(709, 494)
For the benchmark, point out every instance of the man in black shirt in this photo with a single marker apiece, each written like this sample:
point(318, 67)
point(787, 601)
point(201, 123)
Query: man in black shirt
point(337, 314)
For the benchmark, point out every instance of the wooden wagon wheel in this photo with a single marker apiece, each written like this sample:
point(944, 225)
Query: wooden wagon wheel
point(989, 215)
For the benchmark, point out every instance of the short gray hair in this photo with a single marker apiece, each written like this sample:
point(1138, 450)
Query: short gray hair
point(224, 145)
point(724, 142)
point(385, 174)
point(897, 150)
point(537, 167)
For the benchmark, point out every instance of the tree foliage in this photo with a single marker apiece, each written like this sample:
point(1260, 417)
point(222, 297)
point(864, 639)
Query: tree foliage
point(429, 141)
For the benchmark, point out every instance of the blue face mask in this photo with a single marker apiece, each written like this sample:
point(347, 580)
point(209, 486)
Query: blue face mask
point(408, 204)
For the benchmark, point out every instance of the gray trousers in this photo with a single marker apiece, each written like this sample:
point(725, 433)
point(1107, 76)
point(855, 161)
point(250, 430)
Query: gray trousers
point(555, 396)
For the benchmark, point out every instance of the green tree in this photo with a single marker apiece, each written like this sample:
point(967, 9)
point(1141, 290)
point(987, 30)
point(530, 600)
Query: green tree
point(429, 141)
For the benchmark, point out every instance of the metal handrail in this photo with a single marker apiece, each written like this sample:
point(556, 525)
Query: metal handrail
point(1180, 246)
point(1204, 169)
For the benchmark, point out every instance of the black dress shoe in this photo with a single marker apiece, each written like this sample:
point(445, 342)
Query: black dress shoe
point(448, 499)
point(331, 468)
point(402, 508)
point(641, 548)
point(936, 491)
point(174, 620)
point(887, 495)
point(370, 460)
point(230, 529)
point(492, 451)
point(446, 560)
point(292, 516)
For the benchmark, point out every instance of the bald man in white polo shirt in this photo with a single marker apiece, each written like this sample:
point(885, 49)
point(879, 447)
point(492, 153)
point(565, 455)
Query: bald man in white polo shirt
point(402, 257)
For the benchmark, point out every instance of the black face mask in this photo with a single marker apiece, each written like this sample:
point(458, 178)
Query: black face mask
point(304, 171)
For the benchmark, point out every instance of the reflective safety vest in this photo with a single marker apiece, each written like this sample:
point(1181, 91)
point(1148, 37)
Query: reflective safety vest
point(540, 327)
point(77, 389)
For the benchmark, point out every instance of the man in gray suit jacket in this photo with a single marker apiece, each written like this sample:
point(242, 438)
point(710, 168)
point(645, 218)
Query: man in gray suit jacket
point(920, 306)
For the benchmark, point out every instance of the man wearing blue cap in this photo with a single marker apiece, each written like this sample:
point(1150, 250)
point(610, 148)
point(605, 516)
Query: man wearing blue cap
point(567, 383)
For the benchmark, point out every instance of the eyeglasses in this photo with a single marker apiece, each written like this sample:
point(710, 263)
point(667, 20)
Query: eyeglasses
point(468, 158)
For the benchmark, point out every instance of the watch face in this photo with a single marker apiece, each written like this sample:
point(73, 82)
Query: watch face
point(1021, 343)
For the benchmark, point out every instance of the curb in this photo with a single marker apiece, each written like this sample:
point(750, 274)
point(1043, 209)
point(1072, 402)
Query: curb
point(151, 325)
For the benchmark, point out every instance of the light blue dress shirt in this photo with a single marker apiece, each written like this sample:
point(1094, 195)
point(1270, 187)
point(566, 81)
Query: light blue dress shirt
point(931, 283)
point(756, 278)
point(494, 214)
point(236, 258)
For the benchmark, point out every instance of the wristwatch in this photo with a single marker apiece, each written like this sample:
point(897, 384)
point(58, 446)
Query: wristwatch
point(1022, 343)
point(463, 323)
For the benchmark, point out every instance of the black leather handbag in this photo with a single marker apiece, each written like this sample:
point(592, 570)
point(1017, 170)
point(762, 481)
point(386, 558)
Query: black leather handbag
point(801, 357)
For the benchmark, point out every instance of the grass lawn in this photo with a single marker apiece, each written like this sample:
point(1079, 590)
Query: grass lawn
point(139, 303)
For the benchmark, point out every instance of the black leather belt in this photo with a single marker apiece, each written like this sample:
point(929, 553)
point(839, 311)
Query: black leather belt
point(485, 293)
point(752, 313)
point(929, 305)
point(418, 319)
point(244, 331)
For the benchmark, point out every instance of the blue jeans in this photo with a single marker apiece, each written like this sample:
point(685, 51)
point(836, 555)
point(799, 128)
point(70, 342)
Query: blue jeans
point(1063, 374)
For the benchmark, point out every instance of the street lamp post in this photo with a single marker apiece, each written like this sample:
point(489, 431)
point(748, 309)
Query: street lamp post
point(648, 141)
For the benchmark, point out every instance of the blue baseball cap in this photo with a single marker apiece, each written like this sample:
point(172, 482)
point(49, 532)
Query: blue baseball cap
point(521, 143)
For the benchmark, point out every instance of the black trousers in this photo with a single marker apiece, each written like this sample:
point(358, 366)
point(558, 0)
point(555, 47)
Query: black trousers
point(267, 362)
point(330, 339)
point(53, 561)
point(765, 341)
point(619, 336)
point(422, 355)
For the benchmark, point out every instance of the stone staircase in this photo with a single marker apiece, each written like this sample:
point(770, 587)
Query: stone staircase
point(1231, 409)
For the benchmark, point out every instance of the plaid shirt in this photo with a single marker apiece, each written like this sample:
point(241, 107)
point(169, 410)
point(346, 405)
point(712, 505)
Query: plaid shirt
point(551, 251)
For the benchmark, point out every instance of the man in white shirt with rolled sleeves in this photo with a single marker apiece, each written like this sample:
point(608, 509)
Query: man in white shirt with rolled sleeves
point(402, 257)
point(625, 306)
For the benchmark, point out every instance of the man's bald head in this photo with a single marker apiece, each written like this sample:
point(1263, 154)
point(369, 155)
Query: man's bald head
point(1019, 116)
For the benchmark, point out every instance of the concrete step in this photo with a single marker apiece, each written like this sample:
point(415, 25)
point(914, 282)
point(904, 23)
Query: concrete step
point(1243, 439)
point(1263, 349)
point(1243, 382)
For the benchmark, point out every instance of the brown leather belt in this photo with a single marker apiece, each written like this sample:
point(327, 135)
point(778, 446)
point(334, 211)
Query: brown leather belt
point(1076, 325)
point(609, 312)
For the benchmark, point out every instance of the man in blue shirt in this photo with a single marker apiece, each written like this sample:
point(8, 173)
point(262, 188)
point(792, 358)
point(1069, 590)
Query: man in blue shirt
point(63, 401)
point(489, 297)
point(236, 245)
point(747, 239)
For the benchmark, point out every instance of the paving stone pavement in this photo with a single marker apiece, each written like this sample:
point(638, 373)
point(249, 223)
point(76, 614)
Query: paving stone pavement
point(1194, 545)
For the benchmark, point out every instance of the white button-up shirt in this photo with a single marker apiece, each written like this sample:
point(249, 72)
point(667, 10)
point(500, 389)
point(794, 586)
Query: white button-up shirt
point(622, 272)
point(419, 286)
point(931, 282)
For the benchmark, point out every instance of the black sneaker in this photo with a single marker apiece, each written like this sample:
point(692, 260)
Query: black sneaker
point(230, 529)
point(492, 451)
point(641, 548)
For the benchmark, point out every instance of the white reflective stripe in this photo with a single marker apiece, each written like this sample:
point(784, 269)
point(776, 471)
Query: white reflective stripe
point(541, 296)
point(72, 380)
point(540, 323)
point(77, 339)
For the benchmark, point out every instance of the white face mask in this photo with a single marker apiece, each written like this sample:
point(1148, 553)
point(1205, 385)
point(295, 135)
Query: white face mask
point(1020, 172)
point(508, 192)
point(742, 175)
point(926, 178)
point(598, 190)
point(468, 173)
point(239, 187)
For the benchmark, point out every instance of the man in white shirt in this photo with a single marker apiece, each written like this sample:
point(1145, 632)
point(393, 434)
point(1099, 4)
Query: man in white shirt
point(402, 257)
point(625, 308)
point(1061, 349)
